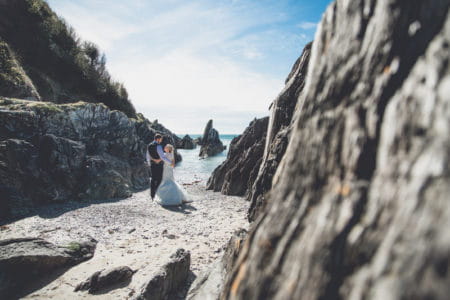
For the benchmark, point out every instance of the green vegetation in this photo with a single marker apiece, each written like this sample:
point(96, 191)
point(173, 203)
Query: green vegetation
point(11, 76)
point(62, 67)
point(73, 246)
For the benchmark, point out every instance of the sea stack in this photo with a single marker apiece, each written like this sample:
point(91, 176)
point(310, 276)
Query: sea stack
point(211, 144)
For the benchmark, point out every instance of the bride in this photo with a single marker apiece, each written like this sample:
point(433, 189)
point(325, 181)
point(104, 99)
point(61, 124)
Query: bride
point(169, 192)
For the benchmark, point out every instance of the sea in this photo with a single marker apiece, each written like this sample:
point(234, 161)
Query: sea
point(193, 169)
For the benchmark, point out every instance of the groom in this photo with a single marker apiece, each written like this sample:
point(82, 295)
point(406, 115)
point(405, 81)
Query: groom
point(155, 156)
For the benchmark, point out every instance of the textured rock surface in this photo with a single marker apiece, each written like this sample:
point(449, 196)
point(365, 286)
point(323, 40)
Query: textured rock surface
point(210, 142)
point(209, 284)
point(25, 260)
point(53, 153)
point(186, 143)
point(170, 279)
point(279, 133)
point(106, 279)
point(237, 173)
point(360, 209)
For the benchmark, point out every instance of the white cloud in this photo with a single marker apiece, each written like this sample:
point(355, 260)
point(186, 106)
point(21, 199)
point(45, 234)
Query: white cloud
point(182, 89)
point(308, 25)
point(185, 62)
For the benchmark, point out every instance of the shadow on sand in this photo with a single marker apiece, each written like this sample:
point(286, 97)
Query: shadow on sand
point(50, 211)
point(184, 208)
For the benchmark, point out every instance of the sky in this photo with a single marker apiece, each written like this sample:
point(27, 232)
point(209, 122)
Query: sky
point(185, 62)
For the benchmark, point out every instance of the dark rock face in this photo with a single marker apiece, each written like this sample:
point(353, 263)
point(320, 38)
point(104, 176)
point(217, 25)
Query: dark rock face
point(25, 260)
point(54, 153)
point(279, 132)
point(106, 279)
point(171, 278)
point(359, 207)
point(210, 143)
point(186, 143)
point(235, 176)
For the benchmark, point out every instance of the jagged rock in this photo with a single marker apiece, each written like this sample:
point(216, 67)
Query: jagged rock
point(25, 260)
point(106, 279)
point(237, 173)
point(210, 143)
point(208, 285)
point(278, 136)
point(54, 153)
point(186, 143)
point(359, 207)
point(169, 279)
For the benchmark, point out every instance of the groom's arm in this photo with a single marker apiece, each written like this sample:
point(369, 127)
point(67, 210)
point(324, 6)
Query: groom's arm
point(162, 155)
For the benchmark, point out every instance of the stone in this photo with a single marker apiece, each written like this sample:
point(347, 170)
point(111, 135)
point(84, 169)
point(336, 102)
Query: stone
point(186, 143)
point(235, 176)
point(209, 283)
point(280, 127)
point(106, 279)
point(210, 144)
point(359, 204)
point(171, 278)
point(26, 260)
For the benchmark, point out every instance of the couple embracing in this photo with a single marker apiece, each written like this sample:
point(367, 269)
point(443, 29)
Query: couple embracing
point(162, 183)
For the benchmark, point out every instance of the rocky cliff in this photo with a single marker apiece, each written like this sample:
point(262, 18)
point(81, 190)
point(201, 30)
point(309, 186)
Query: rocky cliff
point(41, 57)
point(235, 176)
point(58, 152)
point(359, 206)
point(278, 133)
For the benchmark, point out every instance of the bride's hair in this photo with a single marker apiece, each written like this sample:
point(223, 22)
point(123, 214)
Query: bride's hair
point(170, 147)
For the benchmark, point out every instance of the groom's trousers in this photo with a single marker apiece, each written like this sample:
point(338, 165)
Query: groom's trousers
point(157, 172)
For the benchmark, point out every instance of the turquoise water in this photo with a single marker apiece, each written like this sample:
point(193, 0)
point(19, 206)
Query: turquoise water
point(192, 168)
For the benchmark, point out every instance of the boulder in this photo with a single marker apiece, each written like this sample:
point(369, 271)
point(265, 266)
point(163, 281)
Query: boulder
point(359, 205)
point(208, 285)
point(27, 260)
point(235, 176)
point(186, 143)
point(210, 144)
point(106, 279)
point(280, 127)
point(171, 278)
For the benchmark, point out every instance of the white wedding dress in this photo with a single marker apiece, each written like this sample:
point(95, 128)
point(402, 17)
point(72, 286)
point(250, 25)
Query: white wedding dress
point(169, 192)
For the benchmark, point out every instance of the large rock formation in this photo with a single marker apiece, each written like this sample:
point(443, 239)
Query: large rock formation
point(235, 176)
point(209, 284)
point(53, 153)
point(170, 279)
point(26, 260)
point(186, 143)
point(359, 207)
point(279, 132)
point(210, 143)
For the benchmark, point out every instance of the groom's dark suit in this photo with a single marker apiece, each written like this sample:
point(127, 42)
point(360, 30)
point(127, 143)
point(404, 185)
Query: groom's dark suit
point(156, 168)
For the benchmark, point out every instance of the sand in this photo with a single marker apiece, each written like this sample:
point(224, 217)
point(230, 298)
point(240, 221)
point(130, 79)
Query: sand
point(135, 232)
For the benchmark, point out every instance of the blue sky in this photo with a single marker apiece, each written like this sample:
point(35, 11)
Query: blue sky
point(185, 62)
